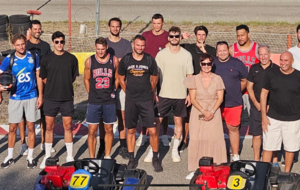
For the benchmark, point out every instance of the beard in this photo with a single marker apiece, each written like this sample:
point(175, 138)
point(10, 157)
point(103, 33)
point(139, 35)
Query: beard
point(116, 35)
point(175, 44)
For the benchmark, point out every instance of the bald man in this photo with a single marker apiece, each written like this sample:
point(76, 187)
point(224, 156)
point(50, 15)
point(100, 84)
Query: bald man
point(281, 120)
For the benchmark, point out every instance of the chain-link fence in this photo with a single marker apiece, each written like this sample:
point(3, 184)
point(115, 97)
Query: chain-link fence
point(277, 42)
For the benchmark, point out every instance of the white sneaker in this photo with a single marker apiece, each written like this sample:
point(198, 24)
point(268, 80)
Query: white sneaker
point(235, 157)
point(165, 140)
point(107, 157)
point(43, 163)
point(149, 156)
point(190, 176)
point(175, 156)
point(69, 159)
point(43, 148)
point(141, 140)
point(24, 150)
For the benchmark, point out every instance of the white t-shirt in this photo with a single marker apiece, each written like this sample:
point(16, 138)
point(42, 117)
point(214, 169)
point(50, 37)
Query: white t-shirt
point(173, 68)
point(296, 54)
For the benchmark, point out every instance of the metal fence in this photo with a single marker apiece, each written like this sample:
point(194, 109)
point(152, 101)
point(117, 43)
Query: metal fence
point(277, 42)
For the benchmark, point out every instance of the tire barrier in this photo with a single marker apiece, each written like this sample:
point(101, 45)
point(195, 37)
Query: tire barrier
point(3, 27)
point(19, 24)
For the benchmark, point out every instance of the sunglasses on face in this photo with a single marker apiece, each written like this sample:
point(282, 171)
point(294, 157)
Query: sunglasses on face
point(174, 36)
point(207, 64)
point(61, 42)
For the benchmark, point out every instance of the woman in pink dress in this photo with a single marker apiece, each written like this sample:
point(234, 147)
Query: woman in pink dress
point(206, 91)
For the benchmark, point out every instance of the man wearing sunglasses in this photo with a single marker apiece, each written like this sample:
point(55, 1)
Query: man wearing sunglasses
point(58, 71)
point(175, 63)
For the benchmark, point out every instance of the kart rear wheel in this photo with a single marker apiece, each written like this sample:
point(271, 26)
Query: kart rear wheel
point(193, 180)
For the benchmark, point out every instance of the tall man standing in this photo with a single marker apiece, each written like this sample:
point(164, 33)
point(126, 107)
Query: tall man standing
point(24, 98)
point(58, 71)
point(281, 123)
point(296, 50)
point(233, 73)
point(140, 70)
point(175, 63)
point(100, 80)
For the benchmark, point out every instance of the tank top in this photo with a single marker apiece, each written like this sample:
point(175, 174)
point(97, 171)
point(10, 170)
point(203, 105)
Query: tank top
point(248, 58)
point(102, 81)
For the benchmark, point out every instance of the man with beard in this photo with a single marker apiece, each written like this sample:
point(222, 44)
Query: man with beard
point(296, 50)
point(35, 44)
point(140, 70)
point(175, 63)
point(233, 73)
point(281, 123)
point(246, 51)
point(100, 80)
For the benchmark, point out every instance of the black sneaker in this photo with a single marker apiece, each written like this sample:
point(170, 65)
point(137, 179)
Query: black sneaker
point(31, 163)
point(132, 164)
point(124, 153)
point(283, 162)
point(182, 146)
point(101, 153)
point(157, 165)
point(7, 162)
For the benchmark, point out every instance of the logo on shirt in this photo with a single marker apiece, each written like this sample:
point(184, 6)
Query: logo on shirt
point(30, 60)
point(257, 71)
point(23, 77)
point(137, 70)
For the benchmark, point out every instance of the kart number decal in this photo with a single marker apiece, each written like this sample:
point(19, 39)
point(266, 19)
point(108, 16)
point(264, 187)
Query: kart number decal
point(79, 181)
point(236, 182)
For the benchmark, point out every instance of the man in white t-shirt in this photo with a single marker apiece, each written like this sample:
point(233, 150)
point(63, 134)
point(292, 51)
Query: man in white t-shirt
point(296, 50)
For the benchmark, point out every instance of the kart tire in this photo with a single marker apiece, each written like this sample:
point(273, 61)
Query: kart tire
point(19, 28)
point(3, 36)
point(3, 19)
point(193, 180)
point(19, 19)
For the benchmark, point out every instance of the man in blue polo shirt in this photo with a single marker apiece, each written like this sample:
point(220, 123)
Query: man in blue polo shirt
point(23, 97)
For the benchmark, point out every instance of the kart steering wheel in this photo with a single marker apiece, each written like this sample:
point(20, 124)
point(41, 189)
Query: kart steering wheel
point(241, 166)
point(80, 164)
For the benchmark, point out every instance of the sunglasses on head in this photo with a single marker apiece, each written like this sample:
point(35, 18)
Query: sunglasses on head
point(61, 42)
point(207, 64)
point(174, 36)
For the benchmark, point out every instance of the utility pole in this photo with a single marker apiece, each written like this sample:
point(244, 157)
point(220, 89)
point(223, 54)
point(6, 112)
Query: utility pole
point(97, 17)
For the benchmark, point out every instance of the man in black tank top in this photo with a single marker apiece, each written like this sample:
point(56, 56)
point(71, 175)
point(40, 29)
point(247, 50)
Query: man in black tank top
point(100, 80)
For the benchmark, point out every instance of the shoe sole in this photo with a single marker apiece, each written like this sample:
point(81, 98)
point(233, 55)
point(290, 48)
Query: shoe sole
point(31, 167)
point(147, 160)
point(158, 170)
point(175, 160)
point(8, 165)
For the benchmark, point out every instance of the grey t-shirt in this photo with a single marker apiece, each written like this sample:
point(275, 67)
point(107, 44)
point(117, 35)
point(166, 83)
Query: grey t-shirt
point(120, 48)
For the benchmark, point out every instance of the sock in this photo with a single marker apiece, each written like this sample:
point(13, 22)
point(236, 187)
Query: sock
point(155, 155)
point(30, 153)
point(176, 143)
point(123, 142)
point(102, 144)
point(69, 147)
point(48, 147)
point(131, 155)
point(10, 152)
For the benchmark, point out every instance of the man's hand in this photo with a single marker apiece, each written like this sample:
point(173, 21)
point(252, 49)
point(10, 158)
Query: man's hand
point(264, 123)
point(186, 35)
point(39, 102)
point(188, 101)
point(202, 47)
point(257, 105)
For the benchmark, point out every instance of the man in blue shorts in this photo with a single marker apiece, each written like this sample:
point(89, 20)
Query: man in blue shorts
point(23, 97)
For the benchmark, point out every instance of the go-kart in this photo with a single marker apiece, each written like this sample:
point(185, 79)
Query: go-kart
point(89, 174)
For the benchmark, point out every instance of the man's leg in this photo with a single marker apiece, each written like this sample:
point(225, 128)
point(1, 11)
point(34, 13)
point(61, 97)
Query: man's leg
point(130, 146)
point(49, 135)
point(177, 138)
point(101, 149)
point(11, 143)
point(22, 129)
point(92, 141)
point(267, 156)
point(154, 142)
point(164, 137)
point(234, 138)
point(67, 123)
point(289, 157)
point(122, 132)
point(256, 143)
point(109, 137)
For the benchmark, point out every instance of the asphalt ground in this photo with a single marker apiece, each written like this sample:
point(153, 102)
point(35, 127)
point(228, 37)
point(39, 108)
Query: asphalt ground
point(18, 177)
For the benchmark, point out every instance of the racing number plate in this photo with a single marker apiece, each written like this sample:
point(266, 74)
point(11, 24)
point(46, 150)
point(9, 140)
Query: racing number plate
point(236, 182)
point(79, 181)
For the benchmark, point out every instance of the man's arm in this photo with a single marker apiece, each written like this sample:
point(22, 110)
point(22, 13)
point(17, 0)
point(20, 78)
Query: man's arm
point(87, 75)
point(252, 95)
point(263, 106)
point(40, 86)
point(1, 89)
point(122, 82)
point(188, 99)
point(116, 73)
point(243, 84)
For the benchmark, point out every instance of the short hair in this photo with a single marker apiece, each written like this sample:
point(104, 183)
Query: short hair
point(243, 26)
point(101, 41)
point(222, 43)
point(34, 22)
point(18, 37)
point(206, 56)
point(175, 29)
point(115, 19)
point(197, 28)
point(158, 16)
point(58, 34)
point(140, 37)
point(298, 28)
point(264, 45)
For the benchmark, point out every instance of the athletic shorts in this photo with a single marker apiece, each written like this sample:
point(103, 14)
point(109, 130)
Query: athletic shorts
point(16, 109)
point(255, 128)
point(120, 97)
point(286, 132)
point(144, 109)
point(167, 104)
point(51, 108)
point(232, 115)
point(96, 112)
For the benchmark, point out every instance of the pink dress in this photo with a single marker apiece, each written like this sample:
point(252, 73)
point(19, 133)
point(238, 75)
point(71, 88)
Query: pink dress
point(206, 137)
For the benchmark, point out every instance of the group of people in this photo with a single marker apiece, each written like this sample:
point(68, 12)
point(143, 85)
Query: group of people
point(155, 75)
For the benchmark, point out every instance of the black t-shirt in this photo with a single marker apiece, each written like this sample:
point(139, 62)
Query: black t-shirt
point(256, 75)
point(138, 86)
point(196, 53)
point(60, 71)
point(284, 93)
point(42, 48)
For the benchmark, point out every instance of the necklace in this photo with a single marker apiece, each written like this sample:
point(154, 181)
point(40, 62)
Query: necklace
point(198, 52)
